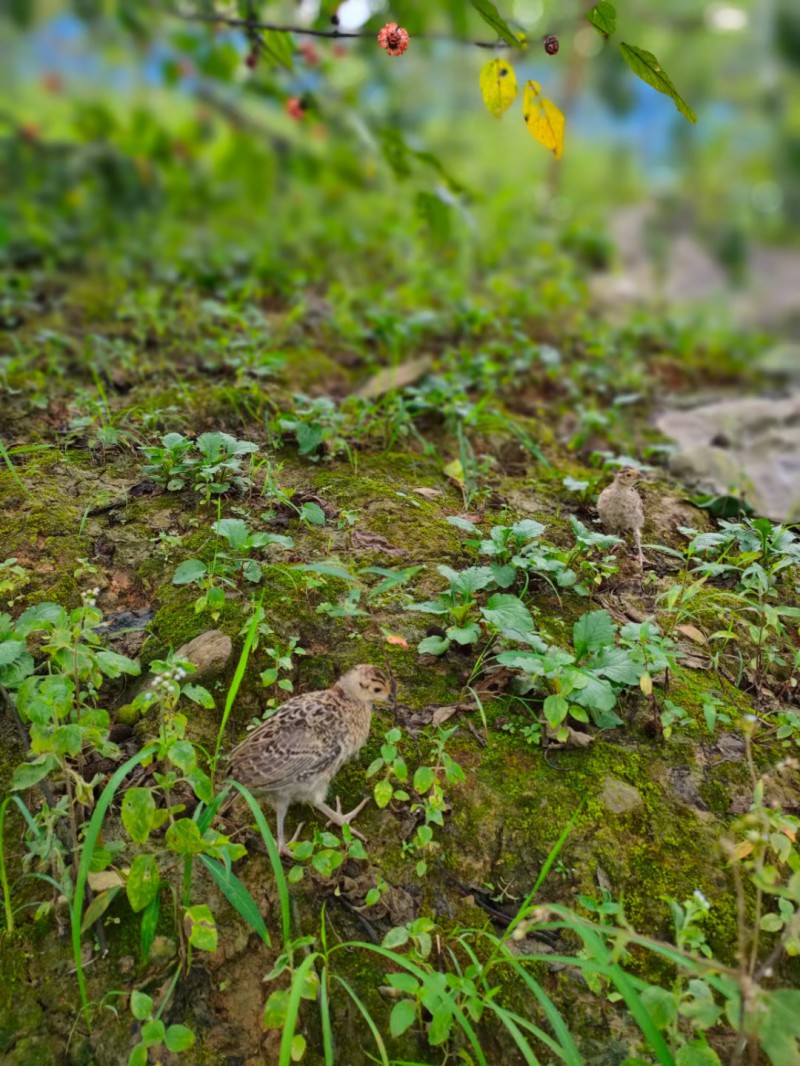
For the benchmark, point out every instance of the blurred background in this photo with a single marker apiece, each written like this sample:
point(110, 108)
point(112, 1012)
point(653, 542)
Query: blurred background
point(123, 118)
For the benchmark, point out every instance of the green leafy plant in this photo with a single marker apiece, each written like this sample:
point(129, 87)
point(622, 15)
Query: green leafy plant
point(584, 684)
point(212, 464)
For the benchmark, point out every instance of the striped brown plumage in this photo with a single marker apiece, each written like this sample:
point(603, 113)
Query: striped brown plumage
point(294, 755)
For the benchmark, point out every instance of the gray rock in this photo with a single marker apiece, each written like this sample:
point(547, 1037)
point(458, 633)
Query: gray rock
point(209, 652)
point(620, 798)
point(761, 461)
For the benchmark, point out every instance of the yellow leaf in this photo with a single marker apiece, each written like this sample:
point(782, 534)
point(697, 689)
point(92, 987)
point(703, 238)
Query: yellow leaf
point(543, 119)
point(646, 684)
point(455, 472)
point(498, 86)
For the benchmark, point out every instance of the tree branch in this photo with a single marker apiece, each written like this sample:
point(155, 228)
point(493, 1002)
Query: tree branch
point(334, 34)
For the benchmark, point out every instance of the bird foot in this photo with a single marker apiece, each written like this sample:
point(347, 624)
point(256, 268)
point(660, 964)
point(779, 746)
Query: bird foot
point(337, 817)
point(283, 849)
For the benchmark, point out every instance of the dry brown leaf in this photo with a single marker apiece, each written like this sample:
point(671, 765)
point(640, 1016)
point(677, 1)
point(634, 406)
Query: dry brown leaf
point(395, 377)
point(693, 633)
point(429, 494)
point(363, 538)
point(441, 714)
point(395, 638)
point(104, 880)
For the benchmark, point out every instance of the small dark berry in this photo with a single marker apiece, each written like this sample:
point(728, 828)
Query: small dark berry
point(551, 44)
point(251, 59)
point(335, 19)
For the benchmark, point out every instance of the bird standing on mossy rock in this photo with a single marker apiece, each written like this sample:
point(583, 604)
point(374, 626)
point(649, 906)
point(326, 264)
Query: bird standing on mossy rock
point(295, 754)
point(620, 507)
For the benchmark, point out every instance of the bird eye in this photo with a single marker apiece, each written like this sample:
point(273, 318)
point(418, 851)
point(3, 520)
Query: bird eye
point(377, 688)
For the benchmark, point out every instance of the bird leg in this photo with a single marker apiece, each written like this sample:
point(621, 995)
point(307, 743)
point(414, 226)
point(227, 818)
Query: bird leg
point(637, 540)
point(338, 818)
point(295, 838)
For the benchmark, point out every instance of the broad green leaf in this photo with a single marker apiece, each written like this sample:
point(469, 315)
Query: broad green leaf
point(275, 1009)
point(775, 1017)
point(153, 1032)
point(424, 778)
point(184, 837)
point(28, 774)
point(555, 710)
point(191, 570)
point(326, 862)
point(593, 631)
point(182, 755)
point(499, 90)
point(403, 1016)
point(279, 47)
point(309, 438)
point(383, 793)
point(113, 664)
point(509, 614)
point(467, 634)
point(661, 1006)
point(312, 513)
point(234, 530)
point(198, 694)
point(178, 1038)
point(10, 650)
point(596, 695)
point(396, 937)
point(143, 882)
point(697, 1053)
point(603, 17)
point(647, 67)
point(200, 927)
point(433, 646)
point(13, 674)
point(436, 214)
point(138, 813)
point(42, 616)
point(141, 1005)
point(544, 120)
point(139, 1056)
point(490, 15)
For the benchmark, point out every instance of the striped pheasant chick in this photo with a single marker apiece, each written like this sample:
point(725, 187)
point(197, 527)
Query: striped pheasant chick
point(295, 754)
point(620, 507)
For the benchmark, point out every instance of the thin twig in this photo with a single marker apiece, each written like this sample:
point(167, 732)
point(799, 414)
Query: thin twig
point(334, 34)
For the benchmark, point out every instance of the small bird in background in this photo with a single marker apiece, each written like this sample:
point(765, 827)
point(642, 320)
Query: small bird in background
point(620, 507)
point(295, 754)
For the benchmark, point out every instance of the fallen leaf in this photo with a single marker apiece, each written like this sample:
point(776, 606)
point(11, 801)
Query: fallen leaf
point(395, 377)
point(395, 638)
point(694, 634)
point(429, 494)
point(104, 880)
point(455, 472)
point(574, 739)
point(363, 538)
point(441, 714)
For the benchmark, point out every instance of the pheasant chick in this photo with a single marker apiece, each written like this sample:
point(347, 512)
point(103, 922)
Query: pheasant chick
point(621, 509)
point(294, 755)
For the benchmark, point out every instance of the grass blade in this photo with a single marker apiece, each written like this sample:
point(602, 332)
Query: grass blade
point(275, 862)
point(376, 1033)
point(237, 895)
point(233, 691)
point(89, 843)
